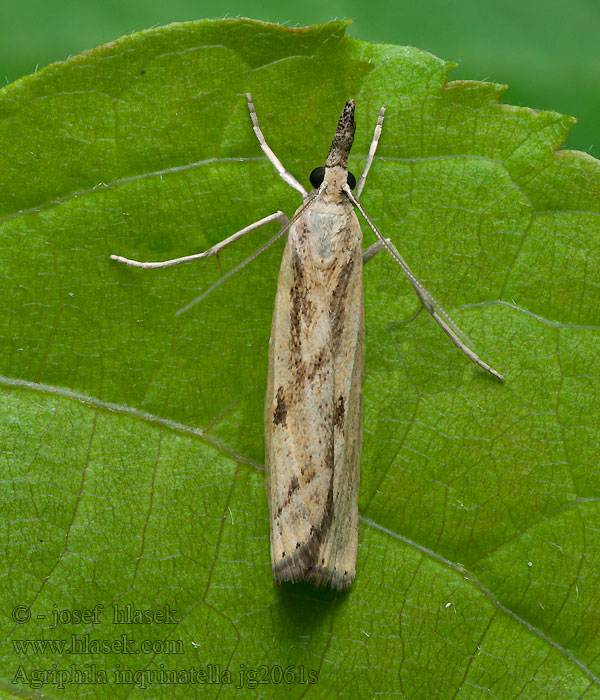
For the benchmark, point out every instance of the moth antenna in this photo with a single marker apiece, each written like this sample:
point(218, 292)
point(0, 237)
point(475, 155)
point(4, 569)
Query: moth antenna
point(427, 299)
point(249, 259)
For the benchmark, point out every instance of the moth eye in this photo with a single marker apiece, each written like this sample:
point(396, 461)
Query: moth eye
point(351, 180)
point(316, 177)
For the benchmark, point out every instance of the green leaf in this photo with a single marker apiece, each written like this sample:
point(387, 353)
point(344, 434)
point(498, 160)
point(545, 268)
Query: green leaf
point(132, 439)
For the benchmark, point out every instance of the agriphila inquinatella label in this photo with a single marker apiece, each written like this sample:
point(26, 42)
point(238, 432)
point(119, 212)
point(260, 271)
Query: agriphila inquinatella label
point(313, 406)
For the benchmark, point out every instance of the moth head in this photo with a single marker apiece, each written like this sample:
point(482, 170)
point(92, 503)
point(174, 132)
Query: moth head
point(318, 175)
point(340, 148)
point(342, 141)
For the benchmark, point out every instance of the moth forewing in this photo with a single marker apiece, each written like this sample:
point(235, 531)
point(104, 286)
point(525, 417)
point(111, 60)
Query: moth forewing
point(313, 402)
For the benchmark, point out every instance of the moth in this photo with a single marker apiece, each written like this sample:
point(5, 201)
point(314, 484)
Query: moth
point(313, 405)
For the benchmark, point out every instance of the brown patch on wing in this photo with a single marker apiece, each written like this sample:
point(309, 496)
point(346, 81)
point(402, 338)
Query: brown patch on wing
point(338, 415)
point(316, 364)
point(292, 488)
point(300, 304)
point(337, 303)
point(280, 412)
point(300, 309)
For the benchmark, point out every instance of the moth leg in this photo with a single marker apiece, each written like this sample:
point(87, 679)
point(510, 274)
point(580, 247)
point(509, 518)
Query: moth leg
point(284, 229)
point(214, 250)
point(371, 155)
point(370, 252)
point(287, 177)
point(428, 302)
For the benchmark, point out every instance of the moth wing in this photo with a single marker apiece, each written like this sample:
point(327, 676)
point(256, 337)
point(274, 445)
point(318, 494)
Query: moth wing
point(313, 412)
point(299, 415)
point(336, 559)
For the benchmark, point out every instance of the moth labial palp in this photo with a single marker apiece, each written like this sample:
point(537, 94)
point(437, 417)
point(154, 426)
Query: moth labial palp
point(313, 404)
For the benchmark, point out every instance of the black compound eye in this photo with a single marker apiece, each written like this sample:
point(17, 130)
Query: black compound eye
point(317, 176)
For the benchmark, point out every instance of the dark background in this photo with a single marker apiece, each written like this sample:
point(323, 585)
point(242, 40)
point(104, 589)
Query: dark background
point(545, 50)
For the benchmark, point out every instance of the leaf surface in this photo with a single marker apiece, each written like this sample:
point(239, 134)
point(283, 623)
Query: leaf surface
point(132, 440)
